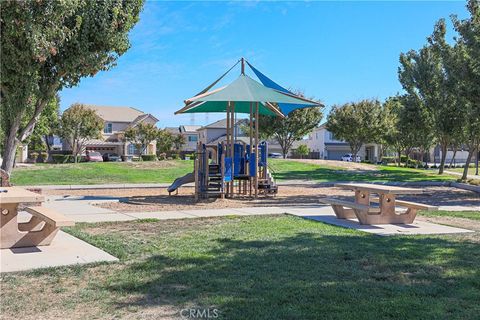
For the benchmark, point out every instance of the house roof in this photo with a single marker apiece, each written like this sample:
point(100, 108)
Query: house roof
point(220, 124)
point(189, 128)
point(174, 130)
point(118, 114)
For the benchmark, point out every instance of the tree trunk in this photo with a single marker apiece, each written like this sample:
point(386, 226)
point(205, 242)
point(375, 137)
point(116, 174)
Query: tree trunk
point(442, 160)
point(11, 144)
point(453, 157)
point(399, 153)
point(476, 160)
point(49, 147)
point(471, 151)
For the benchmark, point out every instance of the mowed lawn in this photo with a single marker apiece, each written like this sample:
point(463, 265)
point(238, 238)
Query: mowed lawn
point(102, 172)
point(168, 171)
point(293, 170)
point(269, 267)
point(472, 215)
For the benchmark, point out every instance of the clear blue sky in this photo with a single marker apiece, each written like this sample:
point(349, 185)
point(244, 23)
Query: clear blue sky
point(334, 51)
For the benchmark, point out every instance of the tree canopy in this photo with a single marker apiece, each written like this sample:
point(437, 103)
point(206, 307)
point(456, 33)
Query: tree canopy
point(141, 135)
point(357, 123)
point(49, 45)
point(79, 124)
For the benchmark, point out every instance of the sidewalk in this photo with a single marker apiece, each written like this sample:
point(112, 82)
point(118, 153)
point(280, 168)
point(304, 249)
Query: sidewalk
point(83, 209)
point(469, 176)
point(165, 185)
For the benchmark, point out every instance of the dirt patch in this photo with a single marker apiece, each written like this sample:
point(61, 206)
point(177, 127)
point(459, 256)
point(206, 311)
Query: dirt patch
point(339, 164)
point(157, 199)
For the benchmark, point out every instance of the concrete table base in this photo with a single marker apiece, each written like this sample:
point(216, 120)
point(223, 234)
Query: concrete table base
point(64, 250)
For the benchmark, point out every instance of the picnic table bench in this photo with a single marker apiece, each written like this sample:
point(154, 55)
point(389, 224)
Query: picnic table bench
point(39, 230)
point(378, 210)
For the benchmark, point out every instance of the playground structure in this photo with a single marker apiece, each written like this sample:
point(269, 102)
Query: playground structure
point(217, 173)
point(234, 167)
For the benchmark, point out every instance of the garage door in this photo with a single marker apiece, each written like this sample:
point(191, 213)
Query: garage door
point(335, 154)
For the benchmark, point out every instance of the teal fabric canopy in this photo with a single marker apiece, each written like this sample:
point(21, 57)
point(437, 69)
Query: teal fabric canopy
point(221, 106)
point(243, 91)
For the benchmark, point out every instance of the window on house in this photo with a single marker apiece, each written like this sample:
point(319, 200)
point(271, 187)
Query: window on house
point(192, 138)
point(107, 128)
point(332, 136)
point(132, 149)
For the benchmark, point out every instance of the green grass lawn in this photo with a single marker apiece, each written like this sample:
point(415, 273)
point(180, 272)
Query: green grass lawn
point(167, 171)
point(292, 170)
point(473, 215)
point(276, 267)
point(102, 173)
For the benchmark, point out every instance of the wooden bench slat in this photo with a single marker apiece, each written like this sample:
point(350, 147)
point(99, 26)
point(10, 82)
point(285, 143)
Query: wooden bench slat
point(50, 216)
point(349, 204)
point(409, 204)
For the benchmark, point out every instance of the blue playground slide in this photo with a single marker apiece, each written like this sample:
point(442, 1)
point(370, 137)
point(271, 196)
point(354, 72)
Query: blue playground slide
point(188, 178)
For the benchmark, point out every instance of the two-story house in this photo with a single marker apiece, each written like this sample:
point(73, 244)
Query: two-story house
point(330, 148)
point(191, 137)
point(116, 121)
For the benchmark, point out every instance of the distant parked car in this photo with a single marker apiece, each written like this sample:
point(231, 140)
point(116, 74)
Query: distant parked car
point(93, 156)
point(349, 157)
point(275, 155)
point(113, 157)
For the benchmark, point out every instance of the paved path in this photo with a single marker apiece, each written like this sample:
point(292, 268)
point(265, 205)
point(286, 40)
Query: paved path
point(81, 209)
point(164, 185)
point(469, 176)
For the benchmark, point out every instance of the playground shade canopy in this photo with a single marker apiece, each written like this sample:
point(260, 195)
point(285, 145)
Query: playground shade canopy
point(243, 92)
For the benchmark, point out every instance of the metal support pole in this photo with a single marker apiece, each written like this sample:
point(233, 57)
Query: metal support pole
point(256, 150)
point(232, 144)
point(251, 147)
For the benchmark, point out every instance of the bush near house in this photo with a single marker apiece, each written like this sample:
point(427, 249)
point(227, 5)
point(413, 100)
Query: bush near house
point(149, 157)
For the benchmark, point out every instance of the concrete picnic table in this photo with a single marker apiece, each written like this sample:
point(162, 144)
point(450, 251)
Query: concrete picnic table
point(385, 212)
point(40, 230)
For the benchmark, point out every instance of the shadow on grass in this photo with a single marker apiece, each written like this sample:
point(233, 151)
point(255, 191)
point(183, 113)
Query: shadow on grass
point(314, 276)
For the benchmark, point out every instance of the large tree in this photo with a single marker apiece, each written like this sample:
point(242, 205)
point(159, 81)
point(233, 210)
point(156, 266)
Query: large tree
point(462, 69)
point(296, 125)
point(164, 141)
point(141, 135)
point(356, 123)
point(49, 45)
point(422, 75)
point(79, 124)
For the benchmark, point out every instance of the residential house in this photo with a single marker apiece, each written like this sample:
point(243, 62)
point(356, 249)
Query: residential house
point(327, 146)
point(116, 121)
point(191, 137)
point(435, 155)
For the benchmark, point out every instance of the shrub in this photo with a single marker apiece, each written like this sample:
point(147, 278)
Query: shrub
point(61, 158)
point(34, 156)
point(175, 156)
point(190, 156)
point(388, 160)
point(149, 157)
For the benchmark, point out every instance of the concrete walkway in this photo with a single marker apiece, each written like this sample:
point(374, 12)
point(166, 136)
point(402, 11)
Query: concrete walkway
point(81, 209)
point(65, 250)
point(469, 176)
point(164, 185)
